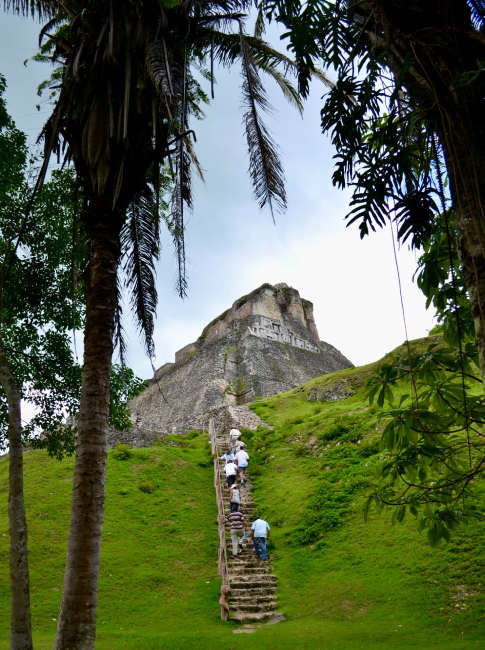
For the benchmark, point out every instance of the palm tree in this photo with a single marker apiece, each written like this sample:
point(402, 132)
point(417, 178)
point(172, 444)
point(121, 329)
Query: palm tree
point(125, 94)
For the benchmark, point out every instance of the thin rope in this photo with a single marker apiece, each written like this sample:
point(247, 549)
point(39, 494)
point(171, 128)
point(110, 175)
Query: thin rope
point(404, 315)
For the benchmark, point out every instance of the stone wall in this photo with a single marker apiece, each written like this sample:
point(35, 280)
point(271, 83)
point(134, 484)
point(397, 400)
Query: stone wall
point(265, 344)
point(225, 417)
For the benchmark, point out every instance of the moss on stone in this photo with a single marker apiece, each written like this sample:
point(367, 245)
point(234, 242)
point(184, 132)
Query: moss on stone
point(244, 299)
point(213, 322)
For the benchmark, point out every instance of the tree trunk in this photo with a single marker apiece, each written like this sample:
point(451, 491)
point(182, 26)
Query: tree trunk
point(20, 627)
point(77, 620)
point(463, 141)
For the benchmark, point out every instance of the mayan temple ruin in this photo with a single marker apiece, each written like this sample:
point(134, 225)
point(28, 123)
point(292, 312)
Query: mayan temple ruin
point(266, 343)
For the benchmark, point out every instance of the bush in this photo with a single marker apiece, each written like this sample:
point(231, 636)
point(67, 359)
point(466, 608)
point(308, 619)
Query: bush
point(343, 432)
point(123, 491)
point(352, 436)
point(326, 509)
point(437, 329)
point(122, 452)
point(302, 450)
point(369, 449)
point(335, 431)
point(289, 422)
point(193, 433)
point(146, 486)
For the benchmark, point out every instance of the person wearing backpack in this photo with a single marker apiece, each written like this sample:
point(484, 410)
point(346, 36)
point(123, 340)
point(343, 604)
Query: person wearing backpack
point(235, 498)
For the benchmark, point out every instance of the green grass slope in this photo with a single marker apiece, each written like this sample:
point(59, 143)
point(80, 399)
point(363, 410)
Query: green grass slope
point(361, 585)
point(343, 584)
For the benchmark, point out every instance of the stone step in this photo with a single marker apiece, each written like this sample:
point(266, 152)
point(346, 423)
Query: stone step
point(247, 511)
point(254, 607)
point(253, 592)
point(249, 600)
point(251, 582)
point(242, 570)
point(251, 618)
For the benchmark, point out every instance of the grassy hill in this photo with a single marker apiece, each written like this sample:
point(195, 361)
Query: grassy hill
point(343, 584)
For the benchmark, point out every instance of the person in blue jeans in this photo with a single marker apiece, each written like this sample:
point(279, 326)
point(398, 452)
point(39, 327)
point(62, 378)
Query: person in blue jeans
point(260, 532)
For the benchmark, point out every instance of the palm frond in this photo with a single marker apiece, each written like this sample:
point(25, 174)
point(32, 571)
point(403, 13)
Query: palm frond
point(289, 91)
point(140, 240)
point(40, 9)
point(259, 26)
point(160, 73)
point(228, 51)
point(119, 333)
point(194, 159)
point(181, 198)
point(265, 168)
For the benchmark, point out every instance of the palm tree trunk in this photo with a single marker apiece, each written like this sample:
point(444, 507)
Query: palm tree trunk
point(20, 627)
point(77, 620)
point(463, 141)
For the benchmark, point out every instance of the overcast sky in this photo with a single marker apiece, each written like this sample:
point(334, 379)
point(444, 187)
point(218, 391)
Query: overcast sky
point(233, 248)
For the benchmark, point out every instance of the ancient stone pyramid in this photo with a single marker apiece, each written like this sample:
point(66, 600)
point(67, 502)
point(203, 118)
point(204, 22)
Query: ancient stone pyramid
point(266, 343)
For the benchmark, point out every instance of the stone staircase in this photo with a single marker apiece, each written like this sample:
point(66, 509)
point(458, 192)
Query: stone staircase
point(253, 585)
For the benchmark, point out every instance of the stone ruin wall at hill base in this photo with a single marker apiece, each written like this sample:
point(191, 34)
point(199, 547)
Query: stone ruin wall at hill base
point(266, 343)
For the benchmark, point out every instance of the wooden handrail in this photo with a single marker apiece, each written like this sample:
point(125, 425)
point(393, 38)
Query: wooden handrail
point(218, 482)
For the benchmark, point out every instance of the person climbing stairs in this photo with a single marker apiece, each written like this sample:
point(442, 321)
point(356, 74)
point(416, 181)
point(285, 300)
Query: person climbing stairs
point(253, 585)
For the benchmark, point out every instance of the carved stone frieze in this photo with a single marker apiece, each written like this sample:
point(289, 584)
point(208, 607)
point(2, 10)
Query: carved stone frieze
point(275, 330)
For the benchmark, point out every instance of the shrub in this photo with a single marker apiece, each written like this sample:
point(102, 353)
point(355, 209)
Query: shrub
point(247, 434)
point(122, 452)
point(146, 486)
point(123, 491)
point(289, 422)
point(193, 433)
point(302, 450)
point(352, 436)
point(437, 329)
point(335, 431)
point(369, 449)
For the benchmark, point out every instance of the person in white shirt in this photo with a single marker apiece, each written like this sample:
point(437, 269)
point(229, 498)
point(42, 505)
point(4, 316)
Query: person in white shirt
point(260, 532)
point(242, 459)
point(231, 471)
point(234, 434)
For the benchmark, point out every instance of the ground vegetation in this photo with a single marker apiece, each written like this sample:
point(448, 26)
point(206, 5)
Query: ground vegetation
point(337, 575)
